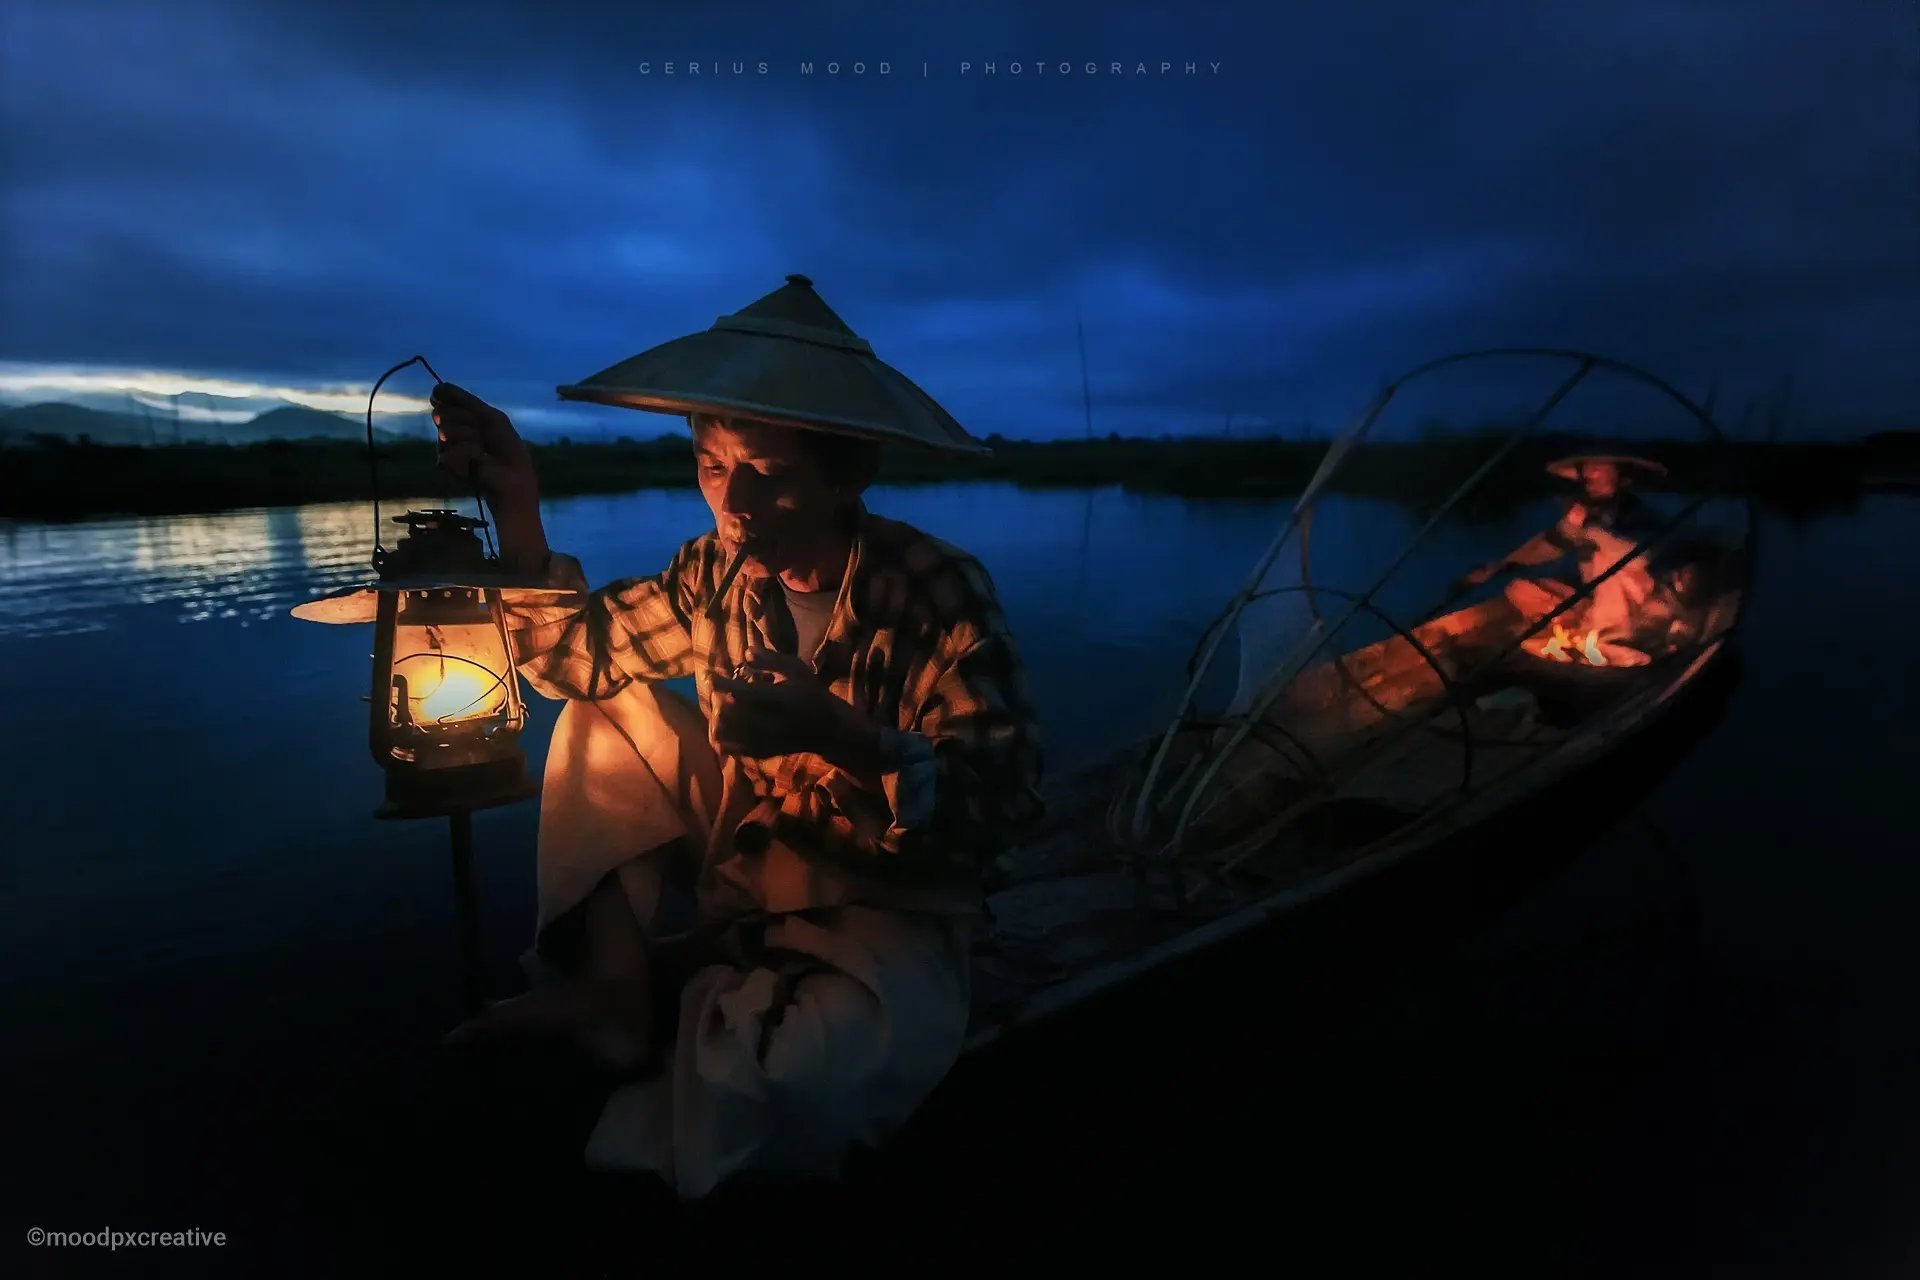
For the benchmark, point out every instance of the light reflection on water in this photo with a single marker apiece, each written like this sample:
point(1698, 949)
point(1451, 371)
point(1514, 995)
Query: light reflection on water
point(1097, 584)
point(250, 566)
point(1120, 564)
point(241, 566)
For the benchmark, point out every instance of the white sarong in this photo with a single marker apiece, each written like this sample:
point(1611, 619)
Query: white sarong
point(825, 1027)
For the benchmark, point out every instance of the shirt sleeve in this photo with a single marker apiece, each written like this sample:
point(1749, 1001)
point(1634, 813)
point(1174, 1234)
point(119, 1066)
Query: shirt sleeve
point(590, 644)
point(959, 779)
point(967, 778)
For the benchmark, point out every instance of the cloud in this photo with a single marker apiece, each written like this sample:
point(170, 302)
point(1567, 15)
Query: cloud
point(297, 195)
point(158, 387)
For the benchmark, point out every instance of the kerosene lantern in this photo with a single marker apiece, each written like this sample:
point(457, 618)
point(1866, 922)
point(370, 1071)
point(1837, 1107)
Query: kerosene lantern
point(445, 714)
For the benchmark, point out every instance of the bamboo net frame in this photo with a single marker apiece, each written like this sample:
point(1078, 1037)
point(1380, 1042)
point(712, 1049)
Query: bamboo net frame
point(1152, 792)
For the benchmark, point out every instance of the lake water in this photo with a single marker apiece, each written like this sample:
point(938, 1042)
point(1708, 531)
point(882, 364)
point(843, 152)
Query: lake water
point(207, 936)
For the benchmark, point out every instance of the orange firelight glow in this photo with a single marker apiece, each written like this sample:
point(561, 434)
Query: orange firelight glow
point(1564, 645)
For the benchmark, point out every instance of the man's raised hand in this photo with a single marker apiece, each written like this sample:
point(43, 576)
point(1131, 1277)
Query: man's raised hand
point(479, 445)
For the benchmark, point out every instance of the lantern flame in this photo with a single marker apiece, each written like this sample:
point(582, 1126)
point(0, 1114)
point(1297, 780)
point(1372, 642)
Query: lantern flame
point(455, 679)
point(452, 696)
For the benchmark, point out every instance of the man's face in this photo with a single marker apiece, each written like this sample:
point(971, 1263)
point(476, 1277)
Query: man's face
point(761, 484)
point(1602, 479)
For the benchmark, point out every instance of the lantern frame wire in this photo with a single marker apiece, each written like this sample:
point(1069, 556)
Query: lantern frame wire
point(373, 467)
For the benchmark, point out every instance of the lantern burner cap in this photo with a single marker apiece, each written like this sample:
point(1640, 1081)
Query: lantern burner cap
point(438, 544)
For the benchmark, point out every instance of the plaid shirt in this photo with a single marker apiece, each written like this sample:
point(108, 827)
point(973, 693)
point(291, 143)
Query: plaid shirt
point(917, 642)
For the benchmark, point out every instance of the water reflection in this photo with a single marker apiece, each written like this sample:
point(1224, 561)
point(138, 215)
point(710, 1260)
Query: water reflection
point(244, 567)
point(1072, 555)
point(1091, 580)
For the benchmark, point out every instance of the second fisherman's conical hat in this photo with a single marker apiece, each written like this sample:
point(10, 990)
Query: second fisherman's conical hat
point(1569, 468)
point(787, 359)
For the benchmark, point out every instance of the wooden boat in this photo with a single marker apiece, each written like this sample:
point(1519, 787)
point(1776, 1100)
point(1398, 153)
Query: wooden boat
point(1072, 915)
point(1339, 770)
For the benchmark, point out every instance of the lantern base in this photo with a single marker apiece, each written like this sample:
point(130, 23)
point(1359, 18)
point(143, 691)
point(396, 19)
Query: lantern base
point(436, 793)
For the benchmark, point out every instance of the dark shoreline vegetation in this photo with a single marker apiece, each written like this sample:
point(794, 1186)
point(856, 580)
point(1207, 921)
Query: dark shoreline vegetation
point(53, 478)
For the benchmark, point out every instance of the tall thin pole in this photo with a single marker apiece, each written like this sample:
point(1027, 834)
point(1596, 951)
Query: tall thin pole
point(1086, 511)
point(1086, 391)
point(467, 908)
point(1777, 417)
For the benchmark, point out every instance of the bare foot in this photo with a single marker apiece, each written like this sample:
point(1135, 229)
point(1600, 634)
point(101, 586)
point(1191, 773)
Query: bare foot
point(610, 1019)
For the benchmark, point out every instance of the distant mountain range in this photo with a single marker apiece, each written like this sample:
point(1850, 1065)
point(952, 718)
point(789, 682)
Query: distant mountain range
point(104, 426)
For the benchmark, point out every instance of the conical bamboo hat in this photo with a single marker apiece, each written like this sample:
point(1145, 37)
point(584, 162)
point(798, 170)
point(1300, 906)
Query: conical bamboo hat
point(1569, 468)
point(787, 359)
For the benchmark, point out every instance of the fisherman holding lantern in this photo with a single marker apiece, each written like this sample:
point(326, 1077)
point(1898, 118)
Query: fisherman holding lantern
point(862, 748)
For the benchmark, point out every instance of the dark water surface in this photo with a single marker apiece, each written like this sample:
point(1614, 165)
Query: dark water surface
point(1688, 1046)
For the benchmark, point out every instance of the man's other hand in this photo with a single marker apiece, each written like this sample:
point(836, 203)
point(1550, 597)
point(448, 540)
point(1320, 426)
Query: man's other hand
point(780, 707)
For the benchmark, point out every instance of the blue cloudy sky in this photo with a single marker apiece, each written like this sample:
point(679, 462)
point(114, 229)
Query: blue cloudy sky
point(285, 197)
